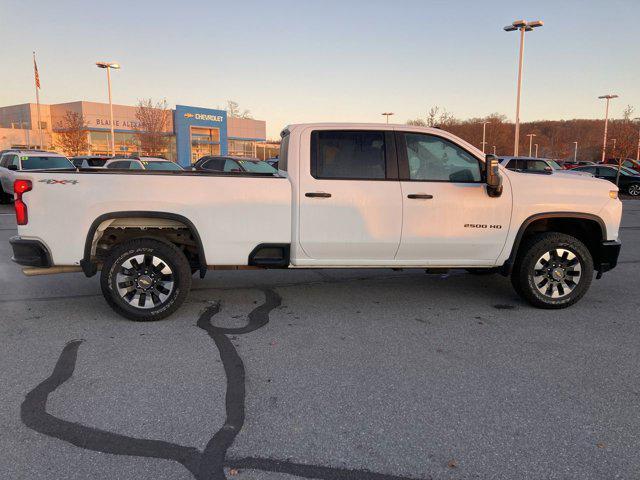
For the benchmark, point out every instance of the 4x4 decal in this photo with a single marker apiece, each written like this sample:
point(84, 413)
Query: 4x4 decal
point(51, 181)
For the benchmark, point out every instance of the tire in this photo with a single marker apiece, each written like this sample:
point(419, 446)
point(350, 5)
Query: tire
point(634, 189)
point(149, 267)
point(552, 270)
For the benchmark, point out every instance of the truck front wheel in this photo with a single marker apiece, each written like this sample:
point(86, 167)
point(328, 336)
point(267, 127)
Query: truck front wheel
point(145, 279)
point(552, 270)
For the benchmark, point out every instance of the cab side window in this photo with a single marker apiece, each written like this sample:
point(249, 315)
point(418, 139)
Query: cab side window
point(122, 164)
point(345, 154)
point(607, 172)
point(432, 158)
point(231, 166)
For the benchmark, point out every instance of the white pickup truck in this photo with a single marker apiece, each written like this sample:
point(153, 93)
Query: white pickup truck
point(346, 196)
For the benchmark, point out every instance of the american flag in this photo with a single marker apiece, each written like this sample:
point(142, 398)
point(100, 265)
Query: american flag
point(35, 71)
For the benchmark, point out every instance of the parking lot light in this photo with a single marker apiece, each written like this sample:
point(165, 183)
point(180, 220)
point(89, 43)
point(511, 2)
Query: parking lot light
point(523, 26)
point(108, 66)
point(484, 134)
point(575, 151)
point(387, 114)
point(530, 135)
point(608, 98)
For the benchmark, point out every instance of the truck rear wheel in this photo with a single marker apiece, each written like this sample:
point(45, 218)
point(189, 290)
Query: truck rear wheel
point(553, 270)
point(145, 279)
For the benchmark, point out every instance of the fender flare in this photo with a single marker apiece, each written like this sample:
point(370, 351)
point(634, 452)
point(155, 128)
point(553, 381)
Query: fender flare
point(508, 265)
point(90, 267)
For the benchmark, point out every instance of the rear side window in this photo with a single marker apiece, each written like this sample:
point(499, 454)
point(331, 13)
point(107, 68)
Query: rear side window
point(284, 152)
point(122, 164)
point(36, 163)
point(215, 165)
point(348, 154)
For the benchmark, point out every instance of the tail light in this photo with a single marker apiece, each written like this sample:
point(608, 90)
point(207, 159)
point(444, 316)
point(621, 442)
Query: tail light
point(20, 187)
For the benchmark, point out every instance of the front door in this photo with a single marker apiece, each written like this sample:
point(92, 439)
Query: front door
point(350, 199)
point(448, 218)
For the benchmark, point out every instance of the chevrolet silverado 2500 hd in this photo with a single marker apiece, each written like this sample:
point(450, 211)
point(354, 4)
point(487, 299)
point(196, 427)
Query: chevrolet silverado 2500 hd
point(346, 195)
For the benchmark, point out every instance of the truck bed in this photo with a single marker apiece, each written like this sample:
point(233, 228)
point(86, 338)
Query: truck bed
point(233, 213)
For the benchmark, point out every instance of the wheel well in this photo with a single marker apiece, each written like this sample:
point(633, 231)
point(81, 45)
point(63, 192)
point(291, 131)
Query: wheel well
point(588, 230)
point(110, 230)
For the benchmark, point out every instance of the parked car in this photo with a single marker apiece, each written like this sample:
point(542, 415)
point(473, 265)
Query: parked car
point(142, 163)
point(629, 179)
point(273, 162)
point(626, 162)
point(231, 164)
point(14, 162)
point(535, 165)
point(580, 163)
point(90, 161)
point(355, 196)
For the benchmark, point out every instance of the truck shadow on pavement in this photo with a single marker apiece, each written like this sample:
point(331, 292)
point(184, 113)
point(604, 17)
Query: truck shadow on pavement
point(212, 461)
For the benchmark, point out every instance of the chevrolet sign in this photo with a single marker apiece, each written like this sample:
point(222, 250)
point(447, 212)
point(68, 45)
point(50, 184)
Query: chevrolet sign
point(204, 116)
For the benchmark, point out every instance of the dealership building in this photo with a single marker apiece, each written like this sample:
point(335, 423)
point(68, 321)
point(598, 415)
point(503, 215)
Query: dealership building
point(192, 132)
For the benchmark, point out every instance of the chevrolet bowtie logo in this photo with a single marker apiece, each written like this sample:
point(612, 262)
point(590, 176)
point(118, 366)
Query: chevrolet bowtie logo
point(188, 115)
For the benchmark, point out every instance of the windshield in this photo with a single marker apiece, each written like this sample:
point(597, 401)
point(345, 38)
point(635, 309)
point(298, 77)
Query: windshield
point(156, 165)
point(257, 166)
point(555, 165)
point(37, 163)
point(629, 171)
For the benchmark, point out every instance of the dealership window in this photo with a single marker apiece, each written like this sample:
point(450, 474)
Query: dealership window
point(204, 141)
point(242, 148)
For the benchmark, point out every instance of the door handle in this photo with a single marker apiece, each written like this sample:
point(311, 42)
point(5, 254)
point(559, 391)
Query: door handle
point(317, 195)
point(421, 196)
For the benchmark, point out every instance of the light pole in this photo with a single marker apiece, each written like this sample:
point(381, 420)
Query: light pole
point(387, 114)
point(484, 134)
point(536, 145)
point(575, 152)
point(108, 66)
point(494, 149)
point(606, 123)
point(613, 150)
point(523, 26)
point(530, 135)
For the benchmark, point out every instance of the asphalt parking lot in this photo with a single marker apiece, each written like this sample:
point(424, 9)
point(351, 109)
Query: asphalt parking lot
point(364, 374)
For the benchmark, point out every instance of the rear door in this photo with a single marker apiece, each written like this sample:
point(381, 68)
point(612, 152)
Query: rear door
point(7, 176)
point(448, 217)
point(349, 196)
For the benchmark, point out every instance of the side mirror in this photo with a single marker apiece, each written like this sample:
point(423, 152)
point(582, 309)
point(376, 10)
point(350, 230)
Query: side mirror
point(12, 167)
point(548, 169)
point(493, 178)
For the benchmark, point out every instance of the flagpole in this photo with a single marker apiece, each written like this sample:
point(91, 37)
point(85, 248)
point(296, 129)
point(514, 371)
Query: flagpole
point(37, 85)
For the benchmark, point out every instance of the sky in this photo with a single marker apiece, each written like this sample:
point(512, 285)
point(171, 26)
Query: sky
point(326, 60)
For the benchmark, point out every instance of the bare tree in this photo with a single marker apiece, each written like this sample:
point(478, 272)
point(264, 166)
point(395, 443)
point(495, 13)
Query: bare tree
point(72, 134)
point(233, 110)
point(151, 129)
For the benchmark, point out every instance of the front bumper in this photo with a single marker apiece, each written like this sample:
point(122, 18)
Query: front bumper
point(30, 253)
point(608, 257)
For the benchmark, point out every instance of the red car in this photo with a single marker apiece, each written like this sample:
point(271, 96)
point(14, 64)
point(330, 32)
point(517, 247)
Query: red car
point(568, 165)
